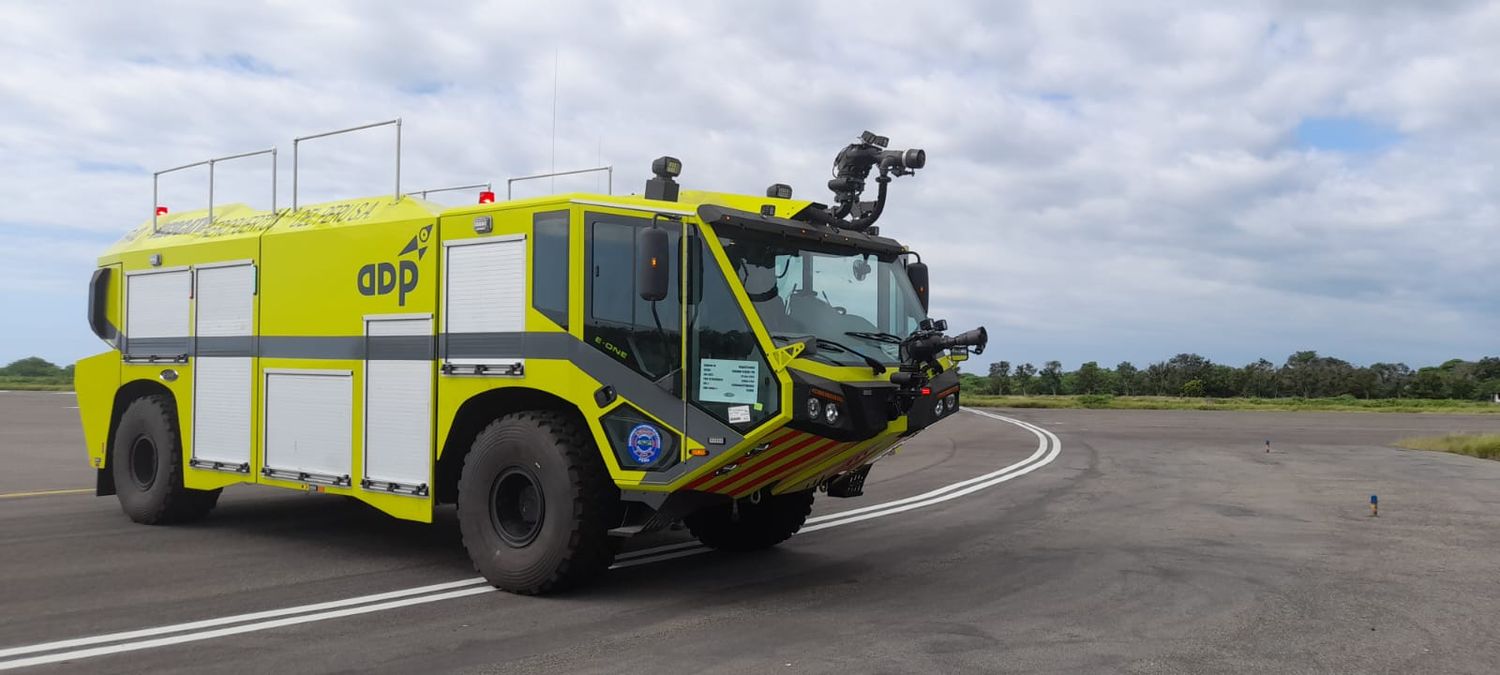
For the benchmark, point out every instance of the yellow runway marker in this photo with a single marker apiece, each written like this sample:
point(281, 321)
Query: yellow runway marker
point(43, 493)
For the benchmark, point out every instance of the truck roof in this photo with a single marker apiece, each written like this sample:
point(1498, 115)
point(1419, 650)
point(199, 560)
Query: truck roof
point(239, 221)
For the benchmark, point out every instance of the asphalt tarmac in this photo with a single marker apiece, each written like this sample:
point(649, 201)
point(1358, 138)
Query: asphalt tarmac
point(1136, 541)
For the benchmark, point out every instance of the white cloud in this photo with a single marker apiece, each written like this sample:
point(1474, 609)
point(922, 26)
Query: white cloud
point(1106, 181)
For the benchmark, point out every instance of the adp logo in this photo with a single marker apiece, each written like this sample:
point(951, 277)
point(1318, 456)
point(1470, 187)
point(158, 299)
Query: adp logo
point(399, 277)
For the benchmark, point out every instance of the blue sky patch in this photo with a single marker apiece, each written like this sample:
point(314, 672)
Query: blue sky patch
point(1344, 134)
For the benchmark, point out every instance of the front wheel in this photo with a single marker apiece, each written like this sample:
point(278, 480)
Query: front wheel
point(147, 465)
point(748, 525)
point(535, 504)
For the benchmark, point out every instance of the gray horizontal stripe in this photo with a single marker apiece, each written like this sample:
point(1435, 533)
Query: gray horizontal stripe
point(481, 345)
point(157, 346)
point(639, 390)
point(238, 345)
point(399, 348)
point(320, 347)
point(353, 347)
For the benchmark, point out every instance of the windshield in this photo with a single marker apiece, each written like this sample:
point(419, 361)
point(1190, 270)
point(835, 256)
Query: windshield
point(858, 305)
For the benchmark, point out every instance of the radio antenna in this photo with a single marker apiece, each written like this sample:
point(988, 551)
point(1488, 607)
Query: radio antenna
point(554, 119)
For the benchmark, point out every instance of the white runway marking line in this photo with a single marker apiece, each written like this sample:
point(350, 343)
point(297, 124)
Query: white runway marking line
point(1048, 448)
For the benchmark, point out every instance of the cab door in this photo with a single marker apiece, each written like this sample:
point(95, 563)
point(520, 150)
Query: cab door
point(635, 345)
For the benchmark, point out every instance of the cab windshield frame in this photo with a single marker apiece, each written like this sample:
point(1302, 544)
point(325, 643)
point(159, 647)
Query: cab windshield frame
point(852, 303)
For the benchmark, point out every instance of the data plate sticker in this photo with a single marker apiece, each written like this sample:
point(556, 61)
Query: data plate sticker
point(728, 381)
point(739, 414)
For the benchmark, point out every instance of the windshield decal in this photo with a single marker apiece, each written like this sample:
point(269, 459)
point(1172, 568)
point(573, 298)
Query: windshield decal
point(729, 381)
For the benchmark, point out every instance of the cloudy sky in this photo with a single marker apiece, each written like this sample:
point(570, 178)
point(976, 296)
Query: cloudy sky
point(1107, 181)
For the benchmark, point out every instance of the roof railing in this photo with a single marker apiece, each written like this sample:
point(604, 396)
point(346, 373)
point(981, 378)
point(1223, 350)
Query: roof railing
point(210, 163)
point(610, 170)
point(297, 141)
point(489, 187)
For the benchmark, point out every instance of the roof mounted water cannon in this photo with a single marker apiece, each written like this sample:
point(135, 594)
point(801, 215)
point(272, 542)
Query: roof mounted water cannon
point(850, 170)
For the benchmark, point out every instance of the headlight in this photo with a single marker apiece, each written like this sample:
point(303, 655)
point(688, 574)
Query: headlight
point(937, 408)
point(951, 401)
point(814, 408)
point(831, 413)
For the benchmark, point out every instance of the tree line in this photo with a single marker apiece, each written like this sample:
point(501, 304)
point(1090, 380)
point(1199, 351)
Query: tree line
point(1305, 374)
point(35, 367)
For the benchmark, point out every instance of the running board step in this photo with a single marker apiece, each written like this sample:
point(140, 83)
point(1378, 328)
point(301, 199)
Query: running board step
point(851, 484)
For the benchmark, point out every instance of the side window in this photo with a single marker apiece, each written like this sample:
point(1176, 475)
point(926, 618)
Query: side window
point(549, 269)
point(646, 336)
point(730, 377)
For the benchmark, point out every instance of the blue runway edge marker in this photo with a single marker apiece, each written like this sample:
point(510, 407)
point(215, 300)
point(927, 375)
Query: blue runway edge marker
point(1374, 506)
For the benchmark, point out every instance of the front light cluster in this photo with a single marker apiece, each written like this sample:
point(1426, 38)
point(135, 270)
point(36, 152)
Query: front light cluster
point(828, 412)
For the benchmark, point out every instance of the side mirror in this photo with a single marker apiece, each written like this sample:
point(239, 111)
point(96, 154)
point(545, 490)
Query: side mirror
point(652, 254)
point(98, 302)
point(917, 272)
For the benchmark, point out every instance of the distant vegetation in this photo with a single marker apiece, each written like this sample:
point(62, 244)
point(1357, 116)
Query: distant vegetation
point(1295, 404)
point(36, 373)
point(1486, 446)
point(1305, 376)
point(1306, 381)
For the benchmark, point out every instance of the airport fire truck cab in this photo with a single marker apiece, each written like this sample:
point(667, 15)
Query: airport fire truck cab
point(569, 370)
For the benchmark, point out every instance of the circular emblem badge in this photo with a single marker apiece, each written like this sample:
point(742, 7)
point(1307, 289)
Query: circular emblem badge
point(645, 443)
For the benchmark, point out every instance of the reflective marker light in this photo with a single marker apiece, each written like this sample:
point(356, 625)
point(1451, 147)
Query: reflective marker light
point(926, 391)
point(698, 452)
point(161, 210)
point(486, 197)
point(814, 408)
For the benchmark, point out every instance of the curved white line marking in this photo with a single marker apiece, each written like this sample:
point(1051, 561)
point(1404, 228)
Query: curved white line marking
point(1048, 448)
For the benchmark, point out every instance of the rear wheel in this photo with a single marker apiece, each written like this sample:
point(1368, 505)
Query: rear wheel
point(748, 525)
point(147, 466)
point(535, 504)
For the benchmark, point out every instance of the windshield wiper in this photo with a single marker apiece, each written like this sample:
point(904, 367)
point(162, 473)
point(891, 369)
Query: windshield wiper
point(874, 363)
point(875, 337)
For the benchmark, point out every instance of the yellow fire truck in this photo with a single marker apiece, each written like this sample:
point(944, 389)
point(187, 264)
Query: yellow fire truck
point(569, 370)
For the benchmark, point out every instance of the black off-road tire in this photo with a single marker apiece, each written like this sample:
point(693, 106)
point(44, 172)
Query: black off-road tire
point(146, 462)
point(746, 526)
point(535, 504)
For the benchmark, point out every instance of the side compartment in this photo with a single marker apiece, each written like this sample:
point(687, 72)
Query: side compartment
point(484, 306)
point(309, 420)
point(398, 404)
point(223, 380)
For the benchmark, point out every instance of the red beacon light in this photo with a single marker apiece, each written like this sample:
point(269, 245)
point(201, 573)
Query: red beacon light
point(486, 197)
point(926, 391)
point(161, 210)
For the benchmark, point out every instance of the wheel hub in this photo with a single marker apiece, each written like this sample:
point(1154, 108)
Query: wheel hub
point(143, 462)
point(517, 506)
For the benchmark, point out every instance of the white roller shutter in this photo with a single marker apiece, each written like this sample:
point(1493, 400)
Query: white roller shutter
point(225, 308)
point(156, 306)
point(309, 425)
point(221, 413)
point(226, 297)
point(398, 413)
point(486, 294)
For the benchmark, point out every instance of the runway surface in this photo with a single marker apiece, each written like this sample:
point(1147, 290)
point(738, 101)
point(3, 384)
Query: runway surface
point(1131, 541)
